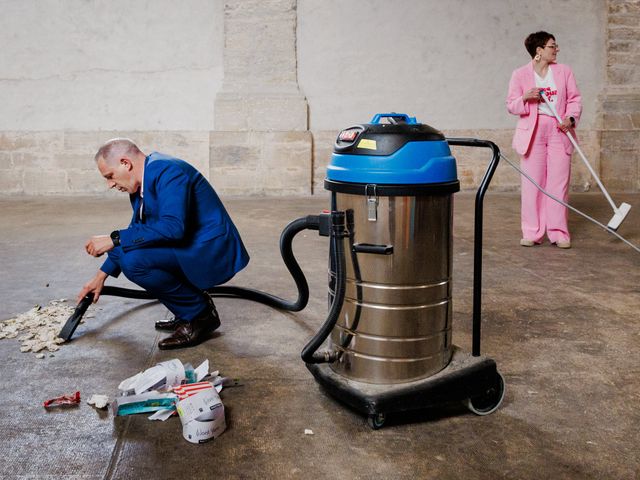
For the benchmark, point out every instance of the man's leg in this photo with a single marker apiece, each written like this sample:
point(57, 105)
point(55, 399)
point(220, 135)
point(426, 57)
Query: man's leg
point(158, 271)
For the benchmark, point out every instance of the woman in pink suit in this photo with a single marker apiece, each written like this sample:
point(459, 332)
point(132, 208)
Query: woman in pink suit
point(540, 140)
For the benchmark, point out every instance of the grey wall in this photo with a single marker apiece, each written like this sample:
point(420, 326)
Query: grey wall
point(448, 62)
point(253, 92)
point(110, 64)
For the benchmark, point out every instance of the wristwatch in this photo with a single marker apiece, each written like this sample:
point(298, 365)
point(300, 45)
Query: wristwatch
point(573, 122)
point(115, 238)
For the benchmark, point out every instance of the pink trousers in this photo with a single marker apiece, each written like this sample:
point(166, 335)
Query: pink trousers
point(548, 163)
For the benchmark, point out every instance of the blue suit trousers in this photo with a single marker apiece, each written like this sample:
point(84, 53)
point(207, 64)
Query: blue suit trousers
point(156, 269)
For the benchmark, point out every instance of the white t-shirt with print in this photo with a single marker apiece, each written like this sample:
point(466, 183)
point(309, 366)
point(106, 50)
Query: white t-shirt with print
point(550, 90)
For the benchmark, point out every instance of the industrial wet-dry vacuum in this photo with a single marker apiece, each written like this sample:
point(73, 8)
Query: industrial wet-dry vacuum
point(390, 271)
point(392, 338)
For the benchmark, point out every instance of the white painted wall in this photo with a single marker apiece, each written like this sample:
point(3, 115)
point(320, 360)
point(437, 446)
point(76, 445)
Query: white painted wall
point(110, 64)
point(446, 62)
point(157, 64)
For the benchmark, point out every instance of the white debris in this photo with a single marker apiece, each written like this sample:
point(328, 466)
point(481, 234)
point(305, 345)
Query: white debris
point(40, 355)
point(38, 328)
point(98, 401)
point(308, 431)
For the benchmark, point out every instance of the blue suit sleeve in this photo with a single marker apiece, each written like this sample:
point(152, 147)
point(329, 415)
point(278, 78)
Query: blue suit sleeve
point(110, 268)
point(172, 188)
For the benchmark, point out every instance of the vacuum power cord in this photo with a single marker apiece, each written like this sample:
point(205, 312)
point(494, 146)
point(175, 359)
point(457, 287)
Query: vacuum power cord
point(309, 352)
point(552, 197)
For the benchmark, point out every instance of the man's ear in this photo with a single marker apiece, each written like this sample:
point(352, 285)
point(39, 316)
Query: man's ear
point(126, 162)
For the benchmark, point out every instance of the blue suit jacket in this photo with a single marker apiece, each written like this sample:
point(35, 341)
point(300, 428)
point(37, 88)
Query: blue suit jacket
point(180, 210)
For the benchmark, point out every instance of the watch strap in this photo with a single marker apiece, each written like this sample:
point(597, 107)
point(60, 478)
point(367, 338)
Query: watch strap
point(115, 238)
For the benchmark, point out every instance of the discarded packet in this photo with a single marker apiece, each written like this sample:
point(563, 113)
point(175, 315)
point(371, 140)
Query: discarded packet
point(72, 399)
point(145, 402)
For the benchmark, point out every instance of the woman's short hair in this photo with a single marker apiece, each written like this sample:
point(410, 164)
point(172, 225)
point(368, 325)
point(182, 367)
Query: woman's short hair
point(535, 40)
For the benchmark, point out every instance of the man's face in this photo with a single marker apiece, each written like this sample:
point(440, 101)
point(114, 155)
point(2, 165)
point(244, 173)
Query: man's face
point(119, 174)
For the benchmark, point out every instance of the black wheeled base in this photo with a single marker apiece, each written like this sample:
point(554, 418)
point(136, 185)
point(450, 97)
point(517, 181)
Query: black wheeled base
point(472, 380)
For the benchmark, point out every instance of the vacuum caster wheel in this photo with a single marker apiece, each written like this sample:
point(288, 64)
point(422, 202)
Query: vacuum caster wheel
point(377, 420)
point(489, 401)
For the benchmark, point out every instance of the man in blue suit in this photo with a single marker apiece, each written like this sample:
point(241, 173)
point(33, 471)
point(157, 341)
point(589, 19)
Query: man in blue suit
point(180, 242)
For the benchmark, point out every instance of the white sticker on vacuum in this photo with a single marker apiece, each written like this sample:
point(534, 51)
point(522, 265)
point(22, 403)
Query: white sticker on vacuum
point(202, 416)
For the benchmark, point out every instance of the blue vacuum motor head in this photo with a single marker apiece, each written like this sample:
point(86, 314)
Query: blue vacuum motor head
point(400, 151)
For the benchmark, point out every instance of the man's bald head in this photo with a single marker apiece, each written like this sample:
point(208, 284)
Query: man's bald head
point(117, 148)
point(121, 163)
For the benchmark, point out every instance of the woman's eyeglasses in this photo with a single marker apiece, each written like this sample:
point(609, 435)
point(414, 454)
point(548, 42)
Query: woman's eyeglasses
point(555, 47)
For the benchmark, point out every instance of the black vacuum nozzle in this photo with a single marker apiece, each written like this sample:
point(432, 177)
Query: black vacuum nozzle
point(75, 318)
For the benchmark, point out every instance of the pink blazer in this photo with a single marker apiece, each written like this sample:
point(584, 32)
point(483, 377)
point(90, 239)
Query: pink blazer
point(568, 103)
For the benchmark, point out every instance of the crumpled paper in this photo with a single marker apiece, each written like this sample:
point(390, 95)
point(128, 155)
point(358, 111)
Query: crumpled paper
point(98, 401)
point(37, 329)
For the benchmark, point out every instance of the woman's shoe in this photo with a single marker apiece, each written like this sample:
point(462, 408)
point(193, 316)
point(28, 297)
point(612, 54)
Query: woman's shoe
point(565, 244)
point(527, 243)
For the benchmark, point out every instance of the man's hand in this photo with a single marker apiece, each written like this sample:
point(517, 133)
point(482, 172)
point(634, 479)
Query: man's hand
point(98, 245)
point(93, 286)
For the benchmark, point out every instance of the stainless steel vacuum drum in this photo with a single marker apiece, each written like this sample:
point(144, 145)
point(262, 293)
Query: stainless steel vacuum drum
point(396, 182)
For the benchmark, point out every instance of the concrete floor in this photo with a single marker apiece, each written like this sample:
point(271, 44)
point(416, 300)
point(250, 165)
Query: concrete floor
point(562, 325)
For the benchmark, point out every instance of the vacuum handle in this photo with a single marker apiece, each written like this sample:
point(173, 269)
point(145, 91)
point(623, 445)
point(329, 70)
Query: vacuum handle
point(371, 248)
point(579, 150)
point(403, 116)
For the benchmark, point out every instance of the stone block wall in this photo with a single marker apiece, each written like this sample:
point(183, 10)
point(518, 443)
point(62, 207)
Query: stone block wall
point(261, 138)
point(61, 162)
point(261, 144)
point(261, 163)
point(620, 101)
point(248, 162)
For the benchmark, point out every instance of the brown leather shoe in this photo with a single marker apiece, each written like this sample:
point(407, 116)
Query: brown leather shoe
point(169, 325)
point(188, 334)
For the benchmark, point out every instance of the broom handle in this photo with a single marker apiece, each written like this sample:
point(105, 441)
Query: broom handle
point(584, 159)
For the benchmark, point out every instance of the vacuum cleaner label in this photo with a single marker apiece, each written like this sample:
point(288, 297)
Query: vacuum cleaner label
point(367, 143)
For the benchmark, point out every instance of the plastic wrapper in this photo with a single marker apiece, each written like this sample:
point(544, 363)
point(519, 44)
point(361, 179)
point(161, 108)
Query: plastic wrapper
point(73, 399)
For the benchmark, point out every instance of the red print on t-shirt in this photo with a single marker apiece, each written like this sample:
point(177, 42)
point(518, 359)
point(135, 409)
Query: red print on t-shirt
point(549, 93)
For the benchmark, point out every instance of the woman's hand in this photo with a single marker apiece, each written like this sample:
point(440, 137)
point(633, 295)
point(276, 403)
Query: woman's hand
point(532, 95)
point(565, 125)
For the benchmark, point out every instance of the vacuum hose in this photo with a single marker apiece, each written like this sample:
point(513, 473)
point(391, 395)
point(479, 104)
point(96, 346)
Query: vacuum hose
point(310, 222)
point(309, 352)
